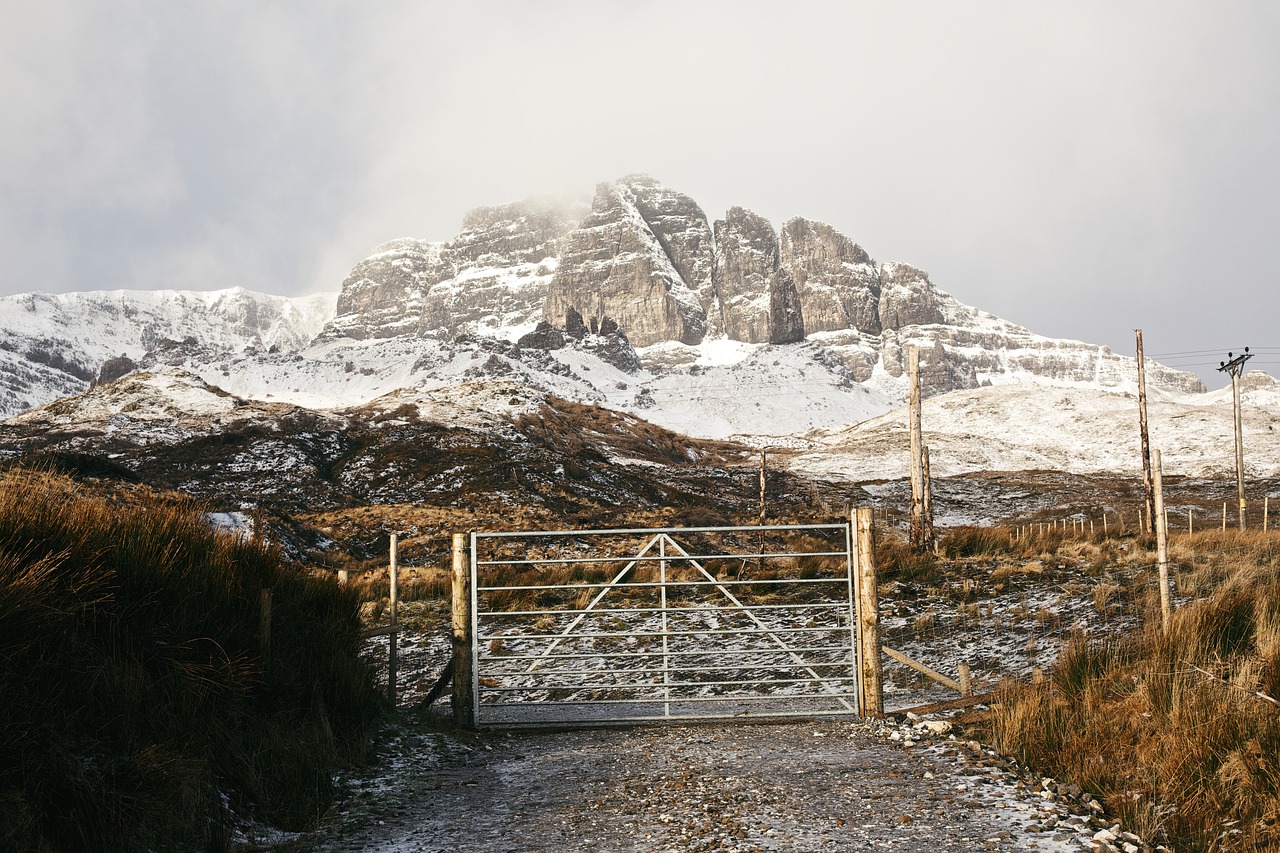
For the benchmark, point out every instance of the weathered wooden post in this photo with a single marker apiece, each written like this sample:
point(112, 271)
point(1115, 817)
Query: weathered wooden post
point(1191, 523)
point(1224, 516)
point(1266, 505)
point(871, 700)
point(763, 471)
point(264, 622)
point(966, 684)
point(1162, 540)
point(464, 710)
point(1147, 484)
point(927, 477)
point(921, 523)
point(393, 651)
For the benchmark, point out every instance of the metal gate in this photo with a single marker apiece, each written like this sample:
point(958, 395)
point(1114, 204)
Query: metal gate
point(613, 626)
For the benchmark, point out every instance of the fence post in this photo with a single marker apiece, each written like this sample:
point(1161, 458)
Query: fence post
point(464, 712)
point(1224, 516)
point(264, 622)
point(1162, 540)
point(966, 684)
point(871, 701)
point(1266, 503)
point(393, 647)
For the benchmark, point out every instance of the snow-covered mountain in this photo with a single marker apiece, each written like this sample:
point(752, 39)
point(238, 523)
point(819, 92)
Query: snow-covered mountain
point(52, 345)
point(738, 328)
point(1074, 430)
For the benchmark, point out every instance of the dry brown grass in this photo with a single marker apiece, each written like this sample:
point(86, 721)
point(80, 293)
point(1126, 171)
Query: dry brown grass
point(1178, 754)
point(136, 691)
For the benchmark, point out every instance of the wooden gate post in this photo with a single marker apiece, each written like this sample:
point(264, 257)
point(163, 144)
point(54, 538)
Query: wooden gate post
point(1162, 539)
point(464, 710)
point(871, 698)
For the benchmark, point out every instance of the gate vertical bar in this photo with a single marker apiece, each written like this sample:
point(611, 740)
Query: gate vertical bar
point(853, 613)
point(393, 645)
point(666, 661)
point(474, 575)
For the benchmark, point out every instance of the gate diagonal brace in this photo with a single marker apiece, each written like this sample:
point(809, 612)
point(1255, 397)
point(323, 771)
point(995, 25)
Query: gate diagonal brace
point(795, 656)
point(564, 635)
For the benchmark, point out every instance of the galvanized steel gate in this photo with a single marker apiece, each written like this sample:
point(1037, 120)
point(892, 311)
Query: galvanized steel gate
point(612, 626)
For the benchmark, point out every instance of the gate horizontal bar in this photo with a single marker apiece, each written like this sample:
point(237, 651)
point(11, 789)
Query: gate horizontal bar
point(734, 698)
point(689, 632)
point(747, 714)
point(637, 670)
point(660, 685)
point(840, 605)
point(653, 558)
point(709, 652)
point(668, 584)
point(653, 530)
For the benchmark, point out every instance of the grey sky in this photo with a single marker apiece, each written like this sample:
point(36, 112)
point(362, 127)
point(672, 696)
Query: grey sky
point(1079, 168)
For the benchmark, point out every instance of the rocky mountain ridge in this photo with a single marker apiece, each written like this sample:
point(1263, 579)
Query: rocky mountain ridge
point(648, 258)
point(636, 301)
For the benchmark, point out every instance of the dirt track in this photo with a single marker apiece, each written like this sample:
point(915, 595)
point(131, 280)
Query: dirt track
point(804, 786)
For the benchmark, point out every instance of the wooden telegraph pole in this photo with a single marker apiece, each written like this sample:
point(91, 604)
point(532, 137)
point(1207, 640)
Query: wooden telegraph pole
point(921, 518)
point(1236, 367)
point(1148, 488)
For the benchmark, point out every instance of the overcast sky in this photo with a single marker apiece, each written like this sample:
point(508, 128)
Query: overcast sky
point(1080, 168)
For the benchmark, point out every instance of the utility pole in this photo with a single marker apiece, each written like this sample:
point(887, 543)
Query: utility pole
point(1236, 367)
point(1148, 489)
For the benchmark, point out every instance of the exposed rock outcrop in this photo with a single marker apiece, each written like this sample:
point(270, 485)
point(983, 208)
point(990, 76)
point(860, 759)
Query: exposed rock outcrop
point(614, 265)
point(838, 283)
point(907, 298)
point(493, 274)
point(757, 296)
point(683, 232)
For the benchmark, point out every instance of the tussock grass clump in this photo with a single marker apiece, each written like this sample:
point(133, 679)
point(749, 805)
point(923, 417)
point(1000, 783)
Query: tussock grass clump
point(961, 542)
point(897, 560)
point(138, 701)
point(1173, 731)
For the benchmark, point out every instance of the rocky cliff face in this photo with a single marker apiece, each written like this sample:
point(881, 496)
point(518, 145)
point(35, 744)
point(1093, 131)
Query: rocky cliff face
point(684, 233)
point(493, 275)
point(907, 298)
point(646, 258)
point(838, 283)
point(641, 259)
point(615, 266)
point(757, 295)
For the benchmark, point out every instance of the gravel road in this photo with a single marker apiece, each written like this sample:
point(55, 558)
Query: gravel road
point(798, 786)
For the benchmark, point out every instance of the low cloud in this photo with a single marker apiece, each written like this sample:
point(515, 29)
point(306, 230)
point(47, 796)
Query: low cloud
point(1079, 168)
